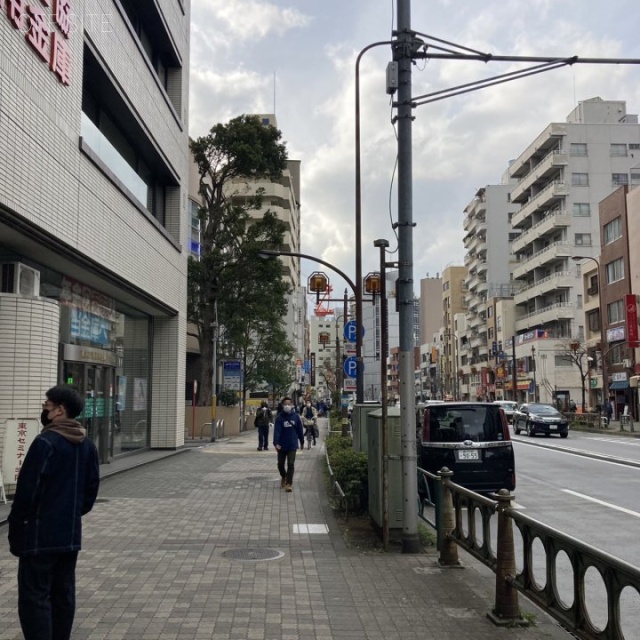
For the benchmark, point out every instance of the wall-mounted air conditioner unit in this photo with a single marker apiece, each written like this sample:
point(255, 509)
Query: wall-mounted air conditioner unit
point(633, 381)
point(16, 277)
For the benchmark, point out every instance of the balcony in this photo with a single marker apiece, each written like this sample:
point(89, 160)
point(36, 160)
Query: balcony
point(551, 222)
point(551, 164)
point(552, 313)
point(554, 251)
point(482, 267)
point(558, 280)
point(542, 200)
point(550, 138)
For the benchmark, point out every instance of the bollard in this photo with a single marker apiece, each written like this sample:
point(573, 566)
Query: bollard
point(506, 611)
point(448, 546)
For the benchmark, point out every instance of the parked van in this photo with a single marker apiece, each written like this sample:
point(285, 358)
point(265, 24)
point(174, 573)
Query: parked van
point(472, 440)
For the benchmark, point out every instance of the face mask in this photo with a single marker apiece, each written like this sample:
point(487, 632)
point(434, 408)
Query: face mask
point(44, 418)
point(287, 408)
point(308, 404)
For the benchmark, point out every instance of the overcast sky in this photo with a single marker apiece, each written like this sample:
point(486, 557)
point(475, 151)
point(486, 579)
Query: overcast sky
point(460, 144)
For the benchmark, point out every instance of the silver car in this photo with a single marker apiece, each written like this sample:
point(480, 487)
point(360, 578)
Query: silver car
point(509, 407)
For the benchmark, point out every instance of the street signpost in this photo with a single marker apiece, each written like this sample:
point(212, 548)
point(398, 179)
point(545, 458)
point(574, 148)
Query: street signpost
point(351, 331)
point(350, 367)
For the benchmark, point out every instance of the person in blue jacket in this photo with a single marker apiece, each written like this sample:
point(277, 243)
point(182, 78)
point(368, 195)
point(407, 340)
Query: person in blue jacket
point(287, 432)
point(57, 484)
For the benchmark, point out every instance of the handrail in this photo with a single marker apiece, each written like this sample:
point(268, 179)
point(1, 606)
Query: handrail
point(551, 214)
point(617, 575)
point(556, 274)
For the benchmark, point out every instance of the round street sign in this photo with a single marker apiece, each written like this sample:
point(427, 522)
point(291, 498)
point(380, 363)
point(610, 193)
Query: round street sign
point(350, 330)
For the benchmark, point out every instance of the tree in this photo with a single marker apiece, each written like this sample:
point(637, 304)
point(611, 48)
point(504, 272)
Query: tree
point(277, 371)
point(576, 352)
point(229, 159)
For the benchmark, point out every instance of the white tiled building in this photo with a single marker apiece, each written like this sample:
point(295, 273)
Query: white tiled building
point(93, 196)
point(561, 177)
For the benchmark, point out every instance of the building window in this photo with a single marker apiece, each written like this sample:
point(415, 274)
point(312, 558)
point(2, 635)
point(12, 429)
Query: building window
point(121, 148)
point(615, 271)
point(581, 209)
point(593, 321)
point(578, 149)
point(583, 239)
point(563, 361)
point(580, 179)
point(615, 311)
point(618, 150)
point(194, 247)
point(635, 178)
point(619, 179)
point(634, 147)
point(612, 231)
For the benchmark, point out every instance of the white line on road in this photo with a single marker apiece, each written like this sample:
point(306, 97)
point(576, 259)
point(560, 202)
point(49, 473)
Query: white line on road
point(603, 503)
point(596, 457)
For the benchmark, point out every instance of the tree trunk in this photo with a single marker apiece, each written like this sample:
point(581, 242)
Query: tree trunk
point(584, 407)
point(205, 340)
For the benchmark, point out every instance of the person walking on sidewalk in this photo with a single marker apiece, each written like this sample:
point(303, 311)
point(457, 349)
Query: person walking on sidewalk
point(262, 421)
point(287, 432)
point(58, 483)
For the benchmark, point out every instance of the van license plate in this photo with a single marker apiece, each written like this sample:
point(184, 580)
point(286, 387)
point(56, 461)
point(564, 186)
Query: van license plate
point(553, 426)
point(468, 455)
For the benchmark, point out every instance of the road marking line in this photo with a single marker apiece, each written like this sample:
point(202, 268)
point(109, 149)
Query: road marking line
point(596, 457)
point(603, 503)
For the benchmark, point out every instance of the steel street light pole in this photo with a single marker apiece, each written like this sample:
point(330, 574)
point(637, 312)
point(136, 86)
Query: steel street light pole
point(358, 228)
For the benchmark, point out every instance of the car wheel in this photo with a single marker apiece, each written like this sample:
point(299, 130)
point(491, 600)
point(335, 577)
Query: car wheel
point(530, 431)
point(564, 435)
point(516, 429)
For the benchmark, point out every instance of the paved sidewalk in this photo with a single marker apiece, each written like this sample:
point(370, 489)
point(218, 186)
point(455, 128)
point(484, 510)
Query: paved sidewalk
point(205, 545)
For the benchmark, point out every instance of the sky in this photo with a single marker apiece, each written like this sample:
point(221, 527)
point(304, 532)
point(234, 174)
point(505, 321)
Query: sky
point(297, 58)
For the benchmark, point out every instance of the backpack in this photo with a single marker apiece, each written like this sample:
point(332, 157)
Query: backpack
point(262, 417)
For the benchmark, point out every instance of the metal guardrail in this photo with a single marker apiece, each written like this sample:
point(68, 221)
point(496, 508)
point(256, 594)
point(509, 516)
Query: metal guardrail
point(616, 575)
point(337, 489)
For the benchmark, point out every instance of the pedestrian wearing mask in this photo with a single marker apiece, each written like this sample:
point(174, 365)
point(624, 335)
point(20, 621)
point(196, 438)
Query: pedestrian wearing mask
point(287, 432)
point(57, 485)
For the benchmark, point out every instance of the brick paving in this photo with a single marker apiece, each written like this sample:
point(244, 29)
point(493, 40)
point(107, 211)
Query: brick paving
point(158, 563)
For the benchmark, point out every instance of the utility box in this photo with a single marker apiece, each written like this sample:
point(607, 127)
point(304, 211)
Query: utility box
point(394, 466)
point(359, 424)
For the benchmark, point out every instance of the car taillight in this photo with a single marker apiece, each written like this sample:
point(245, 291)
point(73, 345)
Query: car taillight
point(505, 425)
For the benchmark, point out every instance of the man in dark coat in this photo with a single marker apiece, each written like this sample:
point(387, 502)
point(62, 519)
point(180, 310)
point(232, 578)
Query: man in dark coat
point(58, 484)
point(287, 432)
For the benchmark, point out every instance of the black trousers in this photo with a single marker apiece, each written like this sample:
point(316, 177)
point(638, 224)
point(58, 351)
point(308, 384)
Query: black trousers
point(290, 457)
point(47, 595)
point(263, 437)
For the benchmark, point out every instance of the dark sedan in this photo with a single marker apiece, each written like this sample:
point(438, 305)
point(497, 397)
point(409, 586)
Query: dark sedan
point(537, 418)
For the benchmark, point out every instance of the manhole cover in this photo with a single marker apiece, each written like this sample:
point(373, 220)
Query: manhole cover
point(253, 555)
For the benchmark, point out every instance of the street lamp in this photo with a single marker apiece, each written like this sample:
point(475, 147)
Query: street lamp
point(605, 389)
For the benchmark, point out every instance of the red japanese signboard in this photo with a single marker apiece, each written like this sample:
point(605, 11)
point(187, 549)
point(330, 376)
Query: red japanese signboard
point(632, 319)
point(46, 32)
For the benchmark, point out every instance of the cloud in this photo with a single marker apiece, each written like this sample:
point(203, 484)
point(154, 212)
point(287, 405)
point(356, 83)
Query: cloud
point(459, 144)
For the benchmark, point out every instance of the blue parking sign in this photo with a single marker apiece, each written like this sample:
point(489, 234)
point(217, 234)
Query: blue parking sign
point(350, 367)
point(351, 331)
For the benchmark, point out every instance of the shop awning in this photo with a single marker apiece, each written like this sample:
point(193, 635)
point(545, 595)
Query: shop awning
point(618, 385)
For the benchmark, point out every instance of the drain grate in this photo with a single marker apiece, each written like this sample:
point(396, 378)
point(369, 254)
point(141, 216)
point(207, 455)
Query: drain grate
point(252, 554)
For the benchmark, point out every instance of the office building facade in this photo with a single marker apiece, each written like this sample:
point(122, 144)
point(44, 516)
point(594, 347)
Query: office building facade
point(94, 234)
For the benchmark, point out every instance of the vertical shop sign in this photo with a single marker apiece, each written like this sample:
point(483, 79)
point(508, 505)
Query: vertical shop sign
point(19, 434)
point(632, 320)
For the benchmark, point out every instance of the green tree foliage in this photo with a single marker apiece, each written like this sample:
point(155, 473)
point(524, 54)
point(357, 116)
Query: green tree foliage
point(231, 289)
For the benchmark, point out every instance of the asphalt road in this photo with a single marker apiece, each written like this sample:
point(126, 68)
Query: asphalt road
point(594, 500)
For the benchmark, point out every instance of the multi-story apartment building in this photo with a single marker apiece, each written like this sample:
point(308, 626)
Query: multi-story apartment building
point(561, 177)
point(326, 348)
point(453, 302)
point(430, 312)
point(94, 233)
point(618, 356)
point(488, 234)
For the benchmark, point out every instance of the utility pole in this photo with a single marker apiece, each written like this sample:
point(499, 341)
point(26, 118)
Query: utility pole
point(402, 54)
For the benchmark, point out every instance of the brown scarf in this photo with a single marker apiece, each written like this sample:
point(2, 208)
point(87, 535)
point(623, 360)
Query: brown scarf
point(69, 429)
